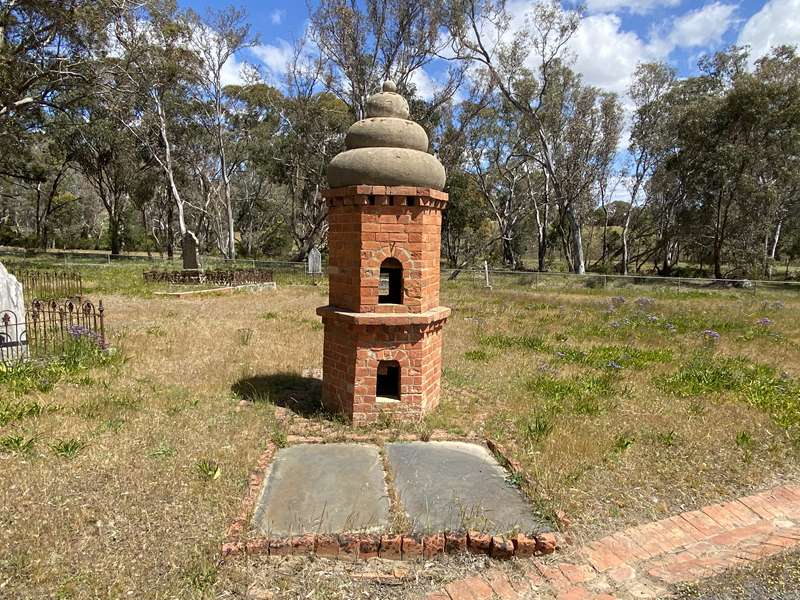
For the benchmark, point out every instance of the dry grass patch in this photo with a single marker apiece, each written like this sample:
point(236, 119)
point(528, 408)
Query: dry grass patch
point(154, 450)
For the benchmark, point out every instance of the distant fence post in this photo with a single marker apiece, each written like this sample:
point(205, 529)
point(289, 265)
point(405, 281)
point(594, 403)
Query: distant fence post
point(487, 283)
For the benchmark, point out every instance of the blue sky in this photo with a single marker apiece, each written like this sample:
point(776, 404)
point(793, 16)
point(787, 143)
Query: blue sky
point(613, 38)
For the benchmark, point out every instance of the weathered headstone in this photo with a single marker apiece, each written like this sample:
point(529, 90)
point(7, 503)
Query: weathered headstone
point(12, 316)
point(314, 262)
point(191, 258)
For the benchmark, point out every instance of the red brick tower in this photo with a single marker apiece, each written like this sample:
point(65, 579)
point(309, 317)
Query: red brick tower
point(383, 326)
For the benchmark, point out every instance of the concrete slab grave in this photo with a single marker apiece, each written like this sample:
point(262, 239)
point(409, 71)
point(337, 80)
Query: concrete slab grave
point(323, 488)
point(447, 486)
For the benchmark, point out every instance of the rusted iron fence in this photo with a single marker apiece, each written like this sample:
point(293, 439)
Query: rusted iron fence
point(50, 285)
point(220, 277)
point(47, 326)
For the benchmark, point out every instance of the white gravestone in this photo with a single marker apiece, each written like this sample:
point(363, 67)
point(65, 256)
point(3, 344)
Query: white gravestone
point(12, 316)
point(315, 262)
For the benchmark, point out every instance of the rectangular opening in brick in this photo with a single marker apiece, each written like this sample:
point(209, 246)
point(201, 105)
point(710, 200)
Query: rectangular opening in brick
point(390, 290)
point(388, 381)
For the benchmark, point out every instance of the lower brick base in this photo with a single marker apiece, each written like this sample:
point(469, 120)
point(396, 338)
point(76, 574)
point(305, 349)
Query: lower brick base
point(361, 349)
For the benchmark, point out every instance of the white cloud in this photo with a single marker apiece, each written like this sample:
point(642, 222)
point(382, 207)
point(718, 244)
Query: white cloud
point(425, 84)
point(234, 72)
point(277, 16)
point(638, 7)
point(606, 55)
point(275, 57)
point(702, 26)
point(778, 22)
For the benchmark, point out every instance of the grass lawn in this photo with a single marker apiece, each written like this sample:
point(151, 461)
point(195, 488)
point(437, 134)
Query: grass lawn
point(120, 475)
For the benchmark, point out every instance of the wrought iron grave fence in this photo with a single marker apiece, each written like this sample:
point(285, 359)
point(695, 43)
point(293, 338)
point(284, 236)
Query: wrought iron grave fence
point(50, 285)
point(47, 326)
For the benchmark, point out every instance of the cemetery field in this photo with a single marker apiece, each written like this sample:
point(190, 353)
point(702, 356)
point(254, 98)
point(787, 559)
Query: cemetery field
point(120, 475)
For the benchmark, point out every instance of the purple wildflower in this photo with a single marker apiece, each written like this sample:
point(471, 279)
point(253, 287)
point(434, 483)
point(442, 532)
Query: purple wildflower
point(612, 364)
point(645, 302)
point(652, 318)
point(711, 335)
point(81, 332)
point(765, 322)
point(617, 301)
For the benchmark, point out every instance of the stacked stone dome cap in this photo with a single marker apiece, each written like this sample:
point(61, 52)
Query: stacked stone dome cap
point(386, 148)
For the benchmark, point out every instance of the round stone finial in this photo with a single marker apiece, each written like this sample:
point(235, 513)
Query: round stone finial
point(386, 148)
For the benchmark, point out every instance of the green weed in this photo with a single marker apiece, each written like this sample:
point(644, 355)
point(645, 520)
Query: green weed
point(279, 437)
point(163, 450)
point(506, 342)
point(622, 442)
point(207, 469)
point(744, 440)
point(245, 336)
point(16, 444)
point(114, 425)
point(75, 356)
point(477, 355)
point(668, 438)
point(759, 385)
point(587, 394)
point(11, 411)
point(615, 357)
point(536, 427)
point(67, 448)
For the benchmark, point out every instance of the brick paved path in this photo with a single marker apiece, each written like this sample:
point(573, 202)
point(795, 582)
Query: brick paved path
point(643, 561)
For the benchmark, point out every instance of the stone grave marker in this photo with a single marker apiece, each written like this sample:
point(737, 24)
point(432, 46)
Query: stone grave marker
point(189, 252)
point(315, 261)
point(12, 316)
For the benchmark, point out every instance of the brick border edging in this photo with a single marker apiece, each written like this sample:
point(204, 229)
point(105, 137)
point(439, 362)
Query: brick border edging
point(352, 546)
point(641, 560)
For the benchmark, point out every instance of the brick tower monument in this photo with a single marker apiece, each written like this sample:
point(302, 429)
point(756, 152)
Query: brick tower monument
point(383, 324)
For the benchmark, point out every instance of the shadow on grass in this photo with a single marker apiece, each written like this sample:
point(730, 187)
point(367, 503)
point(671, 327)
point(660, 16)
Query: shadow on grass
point(301, 395)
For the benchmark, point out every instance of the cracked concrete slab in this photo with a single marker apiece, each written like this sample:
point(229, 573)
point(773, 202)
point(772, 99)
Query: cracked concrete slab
point(323, 488)
point(457, 485)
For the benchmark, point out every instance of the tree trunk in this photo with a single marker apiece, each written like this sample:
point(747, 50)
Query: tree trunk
point(578, 263)
point(625, 249)
point(114, 234)
point(509, 257)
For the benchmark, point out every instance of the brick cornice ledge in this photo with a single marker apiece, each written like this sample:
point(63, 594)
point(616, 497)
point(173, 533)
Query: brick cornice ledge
point(438, 314)
point(385, 190)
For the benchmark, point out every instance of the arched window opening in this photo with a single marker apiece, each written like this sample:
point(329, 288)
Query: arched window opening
point(390, 290)
point(388, 385)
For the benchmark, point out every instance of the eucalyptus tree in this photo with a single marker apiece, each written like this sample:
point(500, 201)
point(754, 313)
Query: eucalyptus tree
point(108, 159)
point(215, 40)
point(365, 42)
point(651, 138)
point(46, 48)
point(150, 80)
point(313, 124)
point(526, 63)
point(497, 165)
